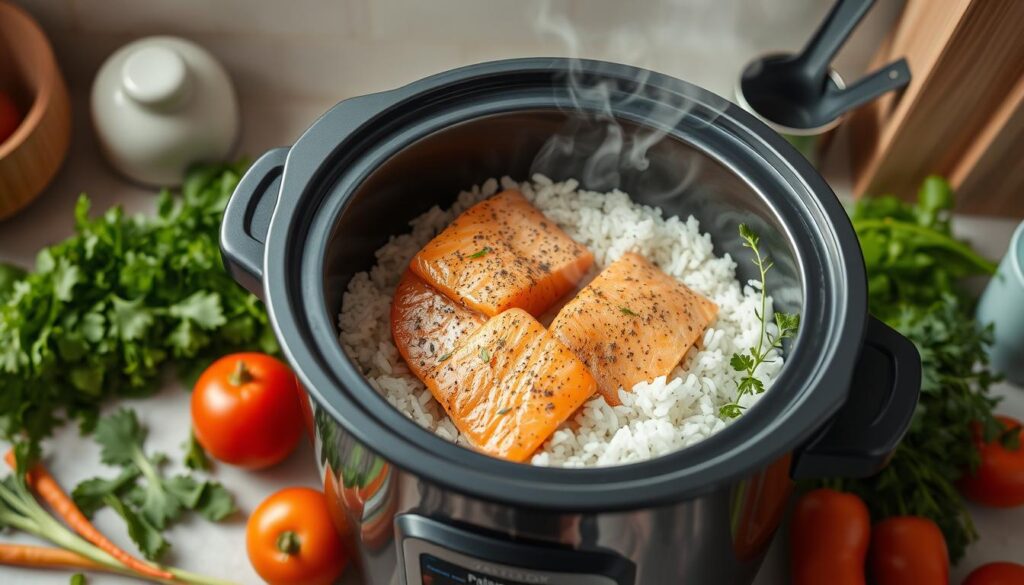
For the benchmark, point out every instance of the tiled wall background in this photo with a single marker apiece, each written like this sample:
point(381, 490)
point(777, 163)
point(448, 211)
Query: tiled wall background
point(324, 50)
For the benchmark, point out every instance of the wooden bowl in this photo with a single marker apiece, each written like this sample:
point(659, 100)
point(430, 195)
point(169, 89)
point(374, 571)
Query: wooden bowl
point(31, 156)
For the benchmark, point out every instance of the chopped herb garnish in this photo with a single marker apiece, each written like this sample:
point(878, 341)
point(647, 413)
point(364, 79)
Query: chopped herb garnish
point(444, 357)
point(505, 410)
point(627, 311)
point(785, 323)
point(485, 356)
point(482, 252)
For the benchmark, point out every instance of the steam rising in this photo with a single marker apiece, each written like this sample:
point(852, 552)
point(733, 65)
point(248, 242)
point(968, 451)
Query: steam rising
point(595, 147)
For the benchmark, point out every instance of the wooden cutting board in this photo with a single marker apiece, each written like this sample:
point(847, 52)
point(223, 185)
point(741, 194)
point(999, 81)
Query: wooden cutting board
point(960, 117)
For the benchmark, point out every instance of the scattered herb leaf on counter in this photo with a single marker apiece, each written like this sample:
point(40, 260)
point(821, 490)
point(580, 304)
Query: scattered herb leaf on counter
point(150, 542)
point(914, 268)
point(195, 455)
point(786, 325)
point(108, 307)
point(151, 506)
point(90, 494)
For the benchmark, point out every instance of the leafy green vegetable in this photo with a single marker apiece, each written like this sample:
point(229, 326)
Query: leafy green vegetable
point(911, 255)
point(914, 267)
point(148, 507)
point(106, 309)
point(786, 325)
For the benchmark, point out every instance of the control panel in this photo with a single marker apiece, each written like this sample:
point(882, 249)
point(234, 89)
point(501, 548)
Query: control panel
point(435, 553)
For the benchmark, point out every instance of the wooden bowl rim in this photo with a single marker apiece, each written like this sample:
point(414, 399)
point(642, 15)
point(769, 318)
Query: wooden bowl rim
point(49, 79)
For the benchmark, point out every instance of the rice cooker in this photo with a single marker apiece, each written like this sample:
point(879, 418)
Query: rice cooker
point(424, 511)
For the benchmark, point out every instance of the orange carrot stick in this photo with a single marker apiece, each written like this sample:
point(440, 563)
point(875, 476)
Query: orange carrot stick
point(44, 484)
point(42, 557)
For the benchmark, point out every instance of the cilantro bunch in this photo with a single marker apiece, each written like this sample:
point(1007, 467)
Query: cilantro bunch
point(915, 267)
point(106, 309)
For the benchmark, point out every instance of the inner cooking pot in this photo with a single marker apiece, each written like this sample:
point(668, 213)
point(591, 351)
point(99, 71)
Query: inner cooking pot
point(304, 220)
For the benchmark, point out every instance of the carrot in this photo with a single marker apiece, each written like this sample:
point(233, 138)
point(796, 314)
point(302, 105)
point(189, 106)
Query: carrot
point(44, 484)
point(42, 557)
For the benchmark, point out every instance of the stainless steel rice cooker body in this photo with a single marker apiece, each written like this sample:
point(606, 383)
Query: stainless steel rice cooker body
point(422, 510)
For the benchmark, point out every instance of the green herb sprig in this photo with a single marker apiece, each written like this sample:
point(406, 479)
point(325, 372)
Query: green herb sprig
point(786, 325)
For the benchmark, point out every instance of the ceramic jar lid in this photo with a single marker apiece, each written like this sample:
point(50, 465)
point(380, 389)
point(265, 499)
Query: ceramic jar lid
point(161, 104)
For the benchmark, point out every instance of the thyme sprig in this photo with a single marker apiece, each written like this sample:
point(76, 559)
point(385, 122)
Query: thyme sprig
point(786, 325)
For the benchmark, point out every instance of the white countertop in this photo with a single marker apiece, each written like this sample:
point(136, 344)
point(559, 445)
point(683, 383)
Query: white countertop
point(218, 549)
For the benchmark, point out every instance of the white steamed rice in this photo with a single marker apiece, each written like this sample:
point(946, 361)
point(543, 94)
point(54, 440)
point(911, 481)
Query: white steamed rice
point(656, 417)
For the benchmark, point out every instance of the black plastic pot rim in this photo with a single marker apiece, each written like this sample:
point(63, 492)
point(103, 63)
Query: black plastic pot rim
point(304, 324)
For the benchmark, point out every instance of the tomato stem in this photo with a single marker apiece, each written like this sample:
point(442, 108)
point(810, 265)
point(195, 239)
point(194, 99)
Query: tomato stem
point(288, 542)
point(1009, 438)
point(241, 375)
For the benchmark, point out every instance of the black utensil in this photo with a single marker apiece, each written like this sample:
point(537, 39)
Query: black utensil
point(800, 92)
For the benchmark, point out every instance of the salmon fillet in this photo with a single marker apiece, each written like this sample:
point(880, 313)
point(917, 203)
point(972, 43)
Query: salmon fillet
point(503, 253)
point(426, 325)
point(632, 323)
point(508, 385)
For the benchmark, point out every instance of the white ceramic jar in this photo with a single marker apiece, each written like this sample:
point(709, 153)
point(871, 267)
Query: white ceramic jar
point(161, 104)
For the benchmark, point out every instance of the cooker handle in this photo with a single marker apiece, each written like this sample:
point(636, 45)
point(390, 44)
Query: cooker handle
point(247, 219)
point(866, 430)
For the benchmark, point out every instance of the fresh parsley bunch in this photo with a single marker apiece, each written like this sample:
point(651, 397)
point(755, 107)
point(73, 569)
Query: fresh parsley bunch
point(107, 308)
point(915, 267)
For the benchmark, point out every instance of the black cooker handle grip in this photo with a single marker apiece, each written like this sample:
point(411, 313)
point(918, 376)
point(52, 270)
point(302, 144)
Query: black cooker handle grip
point(866, 430)
point(247, 219)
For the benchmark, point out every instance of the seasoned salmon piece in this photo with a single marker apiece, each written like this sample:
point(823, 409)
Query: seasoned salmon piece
point(632, 323)
point(503, 253)
point(426, 325)
point(510, 384)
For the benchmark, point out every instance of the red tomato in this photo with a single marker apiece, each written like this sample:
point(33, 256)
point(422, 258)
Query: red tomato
point(996, 574)
point(245, 410)
point(291, 540)
point(829, 539)
point(10, 119)
point(909, 549)
point(999, 480)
